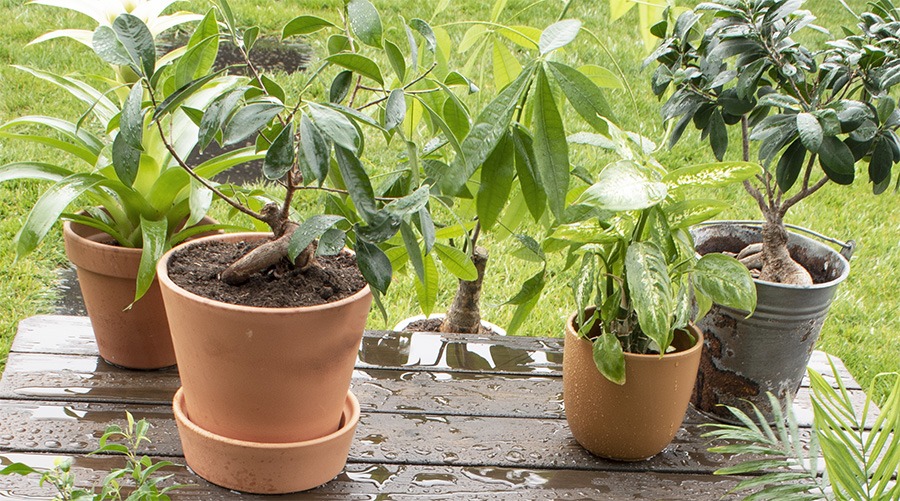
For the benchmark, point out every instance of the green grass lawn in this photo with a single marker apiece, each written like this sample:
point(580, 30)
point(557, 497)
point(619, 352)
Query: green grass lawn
point(863, 328)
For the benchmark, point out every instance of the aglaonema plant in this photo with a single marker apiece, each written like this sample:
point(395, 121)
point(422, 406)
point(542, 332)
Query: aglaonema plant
point(814, 112)
point(125, 180)
point(640, 279)
point(512, 161)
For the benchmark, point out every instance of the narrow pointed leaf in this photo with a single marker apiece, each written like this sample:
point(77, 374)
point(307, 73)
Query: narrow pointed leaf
point(505, 65)
point(650, 288)
point(138, 41)
point(395, 109)
point(551, 150)
point(395, 57)
point(365, 22)
point(496, 182)
point(361, 65)
point(155, 238)
point(585, 97)
point(126, 160)
point(305, 25)
point(374, 265)
point(558, 35)
point(316, 149)
point(131, 123)
point(427, 287)
point(413, 250)
point(336, 127)
point(357, 182)
point(280, 155)
point(456, 262)
point(310, 230)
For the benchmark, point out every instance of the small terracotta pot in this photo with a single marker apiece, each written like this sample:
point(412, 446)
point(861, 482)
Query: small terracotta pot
point(636, 420)
point(136, 337)
point(266, 468)
point(271, 375)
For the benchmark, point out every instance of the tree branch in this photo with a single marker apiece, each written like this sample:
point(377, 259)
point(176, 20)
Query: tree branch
point(803, 194)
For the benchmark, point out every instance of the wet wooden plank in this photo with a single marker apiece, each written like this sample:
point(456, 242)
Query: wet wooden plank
point(361, 481)
point(73, 378)
point(424, 439)
point(57, 334)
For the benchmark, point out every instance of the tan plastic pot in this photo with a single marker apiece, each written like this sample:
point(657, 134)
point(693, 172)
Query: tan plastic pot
point(638, 419)
point(136, 337)
point(268, 375)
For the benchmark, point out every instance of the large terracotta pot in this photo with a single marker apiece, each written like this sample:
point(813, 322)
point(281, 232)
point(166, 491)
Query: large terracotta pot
point(136, 337)
point(636, 420)
point(266, 375)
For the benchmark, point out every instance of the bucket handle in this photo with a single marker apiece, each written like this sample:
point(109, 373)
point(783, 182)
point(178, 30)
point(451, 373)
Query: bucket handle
point(847, 247)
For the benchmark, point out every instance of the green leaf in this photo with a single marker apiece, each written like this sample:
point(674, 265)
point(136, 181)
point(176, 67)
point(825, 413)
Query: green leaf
point(331, 242)
point(726, 281)
point(471, 37)
point(395, 109)
point(337, 44)
point(496, 182)
point(199, 202)
point(138, 41)
point(107, 45)
point(456, 262)
point(790, 165)
point(609, 358)
point(357, 181)
point(126, 160)
point(100, 105)
point(837, 160)
point(427, 287)
point(365, 22)
point(413, 250)
point(18, 469)
point(82, 138)
point(155, 236)
point(374, 265)
point(718, 135)
point(438, 121)
point(551, 151)
point(529, 177)
point(585, 97)
point(811, 134)
point(426, 228)
point(506, 66)
point(395, 57)
point(521, 314)
point(558, 35)
point(530, 289)
point(336, 126)
point(33, 170)
point(524, 36)
point(131, 123)
point(280, 155)
point(410, 204)
point(201, 53)
point(249, 120)
point(340, 86)
point(456, 117)
point(687, 213)
point(650, 287)
point(881, 161)
point(217, 114)
point(358, 64)
point(427, 33)
point(602, 77)
point(179, 96)
point(316, 149)
point(713, 175)
point(623, 186)
point(310, 230)
point(305, 25)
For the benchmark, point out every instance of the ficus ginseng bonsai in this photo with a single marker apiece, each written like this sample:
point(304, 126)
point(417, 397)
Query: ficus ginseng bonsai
point(639, 270)
point(805, 107)
point(126, 178)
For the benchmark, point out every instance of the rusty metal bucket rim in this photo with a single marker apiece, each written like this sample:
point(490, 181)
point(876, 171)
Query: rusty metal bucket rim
point(849, 245)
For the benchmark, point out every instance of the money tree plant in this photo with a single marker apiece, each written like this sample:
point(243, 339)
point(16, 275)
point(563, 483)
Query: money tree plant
point(814, 112)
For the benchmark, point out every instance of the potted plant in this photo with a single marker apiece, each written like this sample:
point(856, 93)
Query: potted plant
point(136, 201)
point(814, 114)
point(267, 326)
point(631, 348)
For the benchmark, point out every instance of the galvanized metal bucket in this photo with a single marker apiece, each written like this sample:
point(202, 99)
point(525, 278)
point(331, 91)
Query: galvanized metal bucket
point(744, 358)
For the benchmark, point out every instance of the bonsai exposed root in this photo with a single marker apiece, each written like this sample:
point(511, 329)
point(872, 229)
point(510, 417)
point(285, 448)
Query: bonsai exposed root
point(266, 255)
point(465, 312)
point(778, 265)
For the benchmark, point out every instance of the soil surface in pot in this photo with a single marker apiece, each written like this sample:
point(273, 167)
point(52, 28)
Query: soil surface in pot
point(434, 325)
point(197, 268)
point(733, 245)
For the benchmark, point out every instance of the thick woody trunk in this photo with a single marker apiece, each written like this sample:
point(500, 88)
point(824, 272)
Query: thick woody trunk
point(777, 264)
point(465, 312)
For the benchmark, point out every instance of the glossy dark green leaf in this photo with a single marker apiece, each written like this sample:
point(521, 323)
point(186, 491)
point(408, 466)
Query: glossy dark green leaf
point(336, 127)
point(395, 109)
point(249, 120)
point(272, 88)
point(885, 105)
point(585, 97)
point(558, 35)
point(790, 165)
point(881, 162)
point(316, 150)
point(138, 41)
point(217, 114)
point(155, 238)
point(718, 135)
point(178, 97)
point(427, 33)
point(310, 230)
point(374, 265)
point(836, 160)
point(438, 121)
point(361, 65)
point(395, 57)
point(107, 45)
point(365, 22)
point(734, 105)
point(650, 287)
point(496, 182)
point(410, 204)
point(811, 133)
point(331, 242)
point(131, 122)
point(530, 289)
point(305, 25)
point(126, 160)
point(551, 150)
point(609, 358)
point(202, 49)
point(357, 181)
point(340, 86)
point(337, 44)
point(280, 155)
point(748, 78)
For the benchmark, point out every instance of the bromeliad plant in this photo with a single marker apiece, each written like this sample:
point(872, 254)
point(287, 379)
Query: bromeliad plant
point(639, 269)
point(804, 107)
point(859, 464)
point(127, 176)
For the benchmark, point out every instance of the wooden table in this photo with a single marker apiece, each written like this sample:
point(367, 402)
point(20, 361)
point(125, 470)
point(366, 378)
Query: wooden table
point(443, 417)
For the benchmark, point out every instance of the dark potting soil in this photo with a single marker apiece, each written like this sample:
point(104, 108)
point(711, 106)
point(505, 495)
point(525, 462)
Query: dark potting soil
point(197, 269)
point(434, 325)
point(816, 266)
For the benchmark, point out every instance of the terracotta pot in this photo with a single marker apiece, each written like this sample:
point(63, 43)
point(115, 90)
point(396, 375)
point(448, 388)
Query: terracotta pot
point(269, 375)
point(636, 420)
point(137, 337)
point(266, 468)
